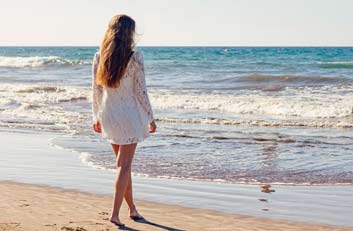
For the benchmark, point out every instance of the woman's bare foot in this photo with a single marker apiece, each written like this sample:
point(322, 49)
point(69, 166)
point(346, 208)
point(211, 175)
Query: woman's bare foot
point(134, 215)
point(116, 221)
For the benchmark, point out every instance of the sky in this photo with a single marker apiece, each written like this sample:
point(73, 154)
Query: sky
point(180, 22)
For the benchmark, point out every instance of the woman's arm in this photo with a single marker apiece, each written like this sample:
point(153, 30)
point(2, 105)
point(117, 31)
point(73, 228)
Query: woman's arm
point(97, 90)
point(140, 87)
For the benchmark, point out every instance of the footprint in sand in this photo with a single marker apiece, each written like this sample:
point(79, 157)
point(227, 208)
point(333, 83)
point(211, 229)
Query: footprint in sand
point(24, 205)
point(9, 226)
point(11, 223)
point(73, 229)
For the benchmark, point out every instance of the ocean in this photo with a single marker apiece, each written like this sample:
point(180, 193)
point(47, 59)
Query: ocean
point(277, 115)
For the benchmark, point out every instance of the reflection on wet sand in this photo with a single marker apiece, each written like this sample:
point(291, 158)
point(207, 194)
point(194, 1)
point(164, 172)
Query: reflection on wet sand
point(267, 189)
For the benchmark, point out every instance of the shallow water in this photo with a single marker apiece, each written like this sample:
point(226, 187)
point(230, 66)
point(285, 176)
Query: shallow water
point(31, 159)
point(270, 115)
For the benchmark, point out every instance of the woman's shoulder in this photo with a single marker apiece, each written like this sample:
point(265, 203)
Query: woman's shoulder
point(137, 56)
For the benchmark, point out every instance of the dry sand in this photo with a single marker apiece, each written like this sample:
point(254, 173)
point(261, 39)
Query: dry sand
point(33, 207)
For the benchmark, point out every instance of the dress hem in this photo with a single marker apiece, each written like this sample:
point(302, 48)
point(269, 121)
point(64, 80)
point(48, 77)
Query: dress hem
point(138, 140)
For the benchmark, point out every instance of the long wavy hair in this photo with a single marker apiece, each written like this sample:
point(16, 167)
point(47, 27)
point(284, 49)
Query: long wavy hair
point(115, 51)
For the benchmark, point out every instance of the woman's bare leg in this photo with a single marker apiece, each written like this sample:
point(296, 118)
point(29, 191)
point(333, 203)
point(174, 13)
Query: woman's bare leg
point(130, 200)
point(123, 173)
point(128, 193)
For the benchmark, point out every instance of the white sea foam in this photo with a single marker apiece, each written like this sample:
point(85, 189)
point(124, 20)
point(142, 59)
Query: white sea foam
point(39, 107)
point(325, 102)
point(261, 122)
point(41, 94)
point(314, 107)
point(36, 61)
point(85, 158)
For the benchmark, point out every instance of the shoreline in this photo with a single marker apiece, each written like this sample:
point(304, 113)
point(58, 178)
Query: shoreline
point(30, 159)
point(39, 207)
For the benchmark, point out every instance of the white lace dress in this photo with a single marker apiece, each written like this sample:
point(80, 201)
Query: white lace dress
point(124, 112)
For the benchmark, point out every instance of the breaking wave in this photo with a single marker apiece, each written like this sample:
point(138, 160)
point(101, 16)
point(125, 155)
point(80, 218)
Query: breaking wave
point(306, 103)
point(38, 61)
point(343, 65)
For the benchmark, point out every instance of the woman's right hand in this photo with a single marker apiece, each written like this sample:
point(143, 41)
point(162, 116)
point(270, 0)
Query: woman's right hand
point(153, 127)
point(97, 127)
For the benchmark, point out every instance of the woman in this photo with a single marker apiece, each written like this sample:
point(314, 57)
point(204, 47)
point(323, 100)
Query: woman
point(119, 92)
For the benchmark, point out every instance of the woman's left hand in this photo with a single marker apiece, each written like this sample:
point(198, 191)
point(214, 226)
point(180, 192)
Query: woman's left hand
point(97, 127)
point(153, 127)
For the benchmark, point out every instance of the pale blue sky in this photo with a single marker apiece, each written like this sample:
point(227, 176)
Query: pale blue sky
point(181, 22)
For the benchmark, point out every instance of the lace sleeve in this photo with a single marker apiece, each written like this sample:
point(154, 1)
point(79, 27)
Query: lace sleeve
point(97, 90)
point(140, 86)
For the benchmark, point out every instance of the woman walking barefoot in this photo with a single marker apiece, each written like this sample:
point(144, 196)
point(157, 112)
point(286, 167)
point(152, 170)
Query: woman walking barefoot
point(121, 107)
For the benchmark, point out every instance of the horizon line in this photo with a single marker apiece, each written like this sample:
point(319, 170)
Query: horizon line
point(264, 46)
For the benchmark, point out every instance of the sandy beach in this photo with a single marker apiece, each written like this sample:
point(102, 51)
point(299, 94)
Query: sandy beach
point(33, 207)
point(228, 115)
point(44, 187)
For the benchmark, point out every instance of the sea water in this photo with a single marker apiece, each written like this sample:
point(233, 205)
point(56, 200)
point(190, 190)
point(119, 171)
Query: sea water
point(231, 114)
